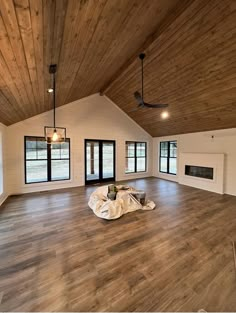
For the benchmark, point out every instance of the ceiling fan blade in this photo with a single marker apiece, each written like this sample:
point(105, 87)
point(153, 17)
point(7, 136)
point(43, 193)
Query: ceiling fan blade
point(139, 99)
point(157, 106)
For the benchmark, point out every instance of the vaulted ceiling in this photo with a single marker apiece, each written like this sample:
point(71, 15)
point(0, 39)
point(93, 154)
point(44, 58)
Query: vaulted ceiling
point(190, 63)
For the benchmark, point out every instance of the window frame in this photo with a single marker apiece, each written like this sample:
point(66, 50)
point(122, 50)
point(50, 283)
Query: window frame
point(135, 157)
point(49, 163)
point(168, 157)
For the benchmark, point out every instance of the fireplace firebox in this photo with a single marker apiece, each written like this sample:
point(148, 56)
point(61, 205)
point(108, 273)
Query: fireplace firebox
point(199, 171)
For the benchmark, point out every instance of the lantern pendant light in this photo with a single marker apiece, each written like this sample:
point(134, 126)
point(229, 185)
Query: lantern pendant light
point(54, 134)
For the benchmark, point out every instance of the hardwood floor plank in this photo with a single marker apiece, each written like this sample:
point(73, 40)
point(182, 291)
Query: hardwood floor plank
point(56, 255)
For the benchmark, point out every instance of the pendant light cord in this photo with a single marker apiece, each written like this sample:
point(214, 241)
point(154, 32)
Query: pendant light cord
point(142, 78)
point(54, 101)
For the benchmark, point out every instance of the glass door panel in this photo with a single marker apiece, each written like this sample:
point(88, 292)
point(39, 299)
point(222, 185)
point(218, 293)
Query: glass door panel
point(108, 160)
point(92, 160)
point(99, 161)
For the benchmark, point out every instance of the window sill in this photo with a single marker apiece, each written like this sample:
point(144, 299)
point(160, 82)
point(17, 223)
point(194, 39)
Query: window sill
point(167, 173)
point(62, 181)
point(141, 172)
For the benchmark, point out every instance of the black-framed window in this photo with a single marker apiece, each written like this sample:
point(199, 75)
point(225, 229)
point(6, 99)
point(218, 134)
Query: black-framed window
point(168, 157)
point(136, 157)
point(45, 162)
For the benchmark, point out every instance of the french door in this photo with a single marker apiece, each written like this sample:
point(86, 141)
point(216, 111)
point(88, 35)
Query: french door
point(99, 161)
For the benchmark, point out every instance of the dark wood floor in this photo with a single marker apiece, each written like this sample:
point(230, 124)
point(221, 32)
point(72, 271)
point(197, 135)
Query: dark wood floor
point(56, 255)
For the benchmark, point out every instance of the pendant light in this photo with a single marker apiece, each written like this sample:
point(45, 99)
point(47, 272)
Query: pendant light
point(54, 134)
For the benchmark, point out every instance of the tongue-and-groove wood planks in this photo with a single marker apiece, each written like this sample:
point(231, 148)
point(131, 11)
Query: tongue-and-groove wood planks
point(89, 40)
point(190, 64)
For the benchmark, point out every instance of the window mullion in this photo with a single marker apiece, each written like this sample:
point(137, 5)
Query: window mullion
point(49, 165)
point(168, 158)
point(145, 156)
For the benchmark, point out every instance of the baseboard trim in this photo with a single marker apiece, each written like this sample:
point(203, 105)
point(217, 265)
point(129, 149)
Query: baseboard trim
point(61, 188)
point(3, 199)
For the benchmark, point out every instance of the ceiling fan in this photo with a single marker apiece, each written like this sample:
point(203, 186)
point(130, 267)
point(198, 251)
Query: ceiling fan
point(139, 97)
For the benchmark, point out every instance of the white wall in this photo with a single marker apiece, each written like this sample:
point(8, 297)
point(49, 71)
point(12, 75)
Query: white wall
point(3, 186)
point(213, 160)
point(224, 142)
point(94, 117)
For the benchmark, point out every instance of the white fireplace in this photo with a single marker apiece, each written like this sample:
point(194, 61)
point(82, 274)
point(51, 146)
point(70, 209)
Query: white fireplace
point(202, 170)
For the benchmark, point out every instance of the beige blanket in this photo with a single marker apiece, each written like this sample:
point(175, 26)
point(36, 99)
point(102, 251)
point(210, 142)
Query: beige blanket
point(124, 203)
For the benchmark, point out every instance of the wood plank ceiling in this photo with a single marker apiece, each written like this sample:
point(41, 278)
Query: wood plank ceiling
point(192, 67)
point(190, 63)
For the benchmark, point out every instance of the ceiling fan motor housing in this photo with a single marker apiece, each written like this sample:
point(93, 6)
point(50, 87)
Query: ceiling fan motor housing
point(142, 56)
point(52, 68)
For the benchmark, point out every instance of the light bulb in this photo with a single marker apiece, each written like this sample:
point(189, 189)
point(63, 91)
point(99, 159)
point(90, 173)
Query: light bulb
point(164, 114)
point(50, 90)
point(55, 136)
